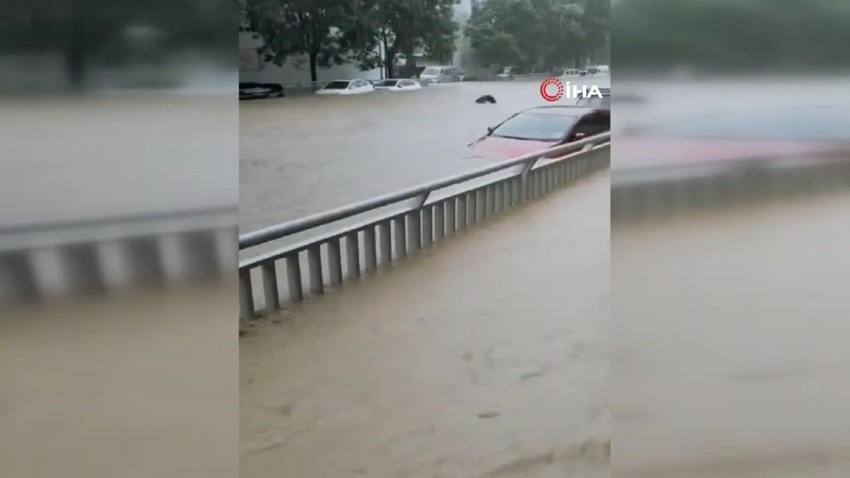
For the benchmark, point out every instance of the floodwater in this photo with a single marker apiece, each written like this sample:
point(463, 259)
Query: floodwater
point(307, 154)
point(137, 385)
point(731, 330)
point(116, 155)
point(666, 100)
point(486, 356)
point(731, 324)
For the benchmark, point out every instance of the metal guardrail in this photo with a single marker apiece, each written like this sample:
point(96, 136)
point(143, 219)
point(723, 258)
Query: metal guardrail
point(379, 240)
point(42, 261)
point(669, 190)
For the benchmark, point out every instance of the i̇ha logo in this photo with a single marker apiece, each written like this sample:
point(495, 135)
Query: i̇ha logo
point(553, 89)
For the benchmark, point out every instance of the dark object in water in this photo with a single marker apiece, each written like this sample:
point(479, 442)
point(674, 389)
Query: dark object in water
point(485, 99)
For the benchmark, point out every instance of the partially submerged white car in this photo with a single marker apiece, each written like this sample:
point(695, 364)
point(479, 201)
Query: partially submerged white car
point(346, 87)
point(397, 85)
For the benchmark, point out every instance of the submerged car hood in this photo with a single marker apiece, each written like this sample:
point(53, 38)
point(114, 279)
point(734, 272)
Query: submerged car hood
point(506, 148)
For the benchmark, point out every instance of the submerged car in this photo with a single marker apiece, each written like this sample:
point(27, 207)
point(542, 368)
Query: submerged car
point(403, 84)
point(571, 73)
point(536, 129)
point(248, 91)
point(509, 73)
point(440, 74)
point(811, 134)
point(346, 87)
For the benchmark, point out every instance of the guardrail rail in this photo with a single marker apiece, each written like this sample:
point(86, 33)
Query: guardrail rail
point(91, 257)
point(422, 219)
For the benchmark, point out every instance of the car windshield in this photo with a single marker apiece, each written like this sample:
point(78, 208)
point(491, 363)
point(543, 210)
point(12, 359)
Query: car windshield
point(535, 126)
point(815, 124)
point(387, 83)
point(337, 85)
point(431, 71)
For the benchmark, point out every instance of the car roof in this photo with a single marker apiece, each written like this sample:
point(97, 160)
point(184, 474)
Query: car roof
point(563, 110)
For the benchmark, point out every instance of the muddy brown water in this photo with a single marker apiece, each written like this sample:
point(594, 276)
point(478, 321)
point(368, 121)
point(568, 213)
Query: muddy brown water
point(731, 334)
point(307, 154)
point(486, 356)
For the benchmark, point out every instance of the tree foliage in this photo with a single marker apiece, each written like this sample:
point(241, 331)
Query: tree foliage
point(731, 34)
point(88, 32)
point(538, 33)
point(301, 27)
point(334, 31)
point(401, 27)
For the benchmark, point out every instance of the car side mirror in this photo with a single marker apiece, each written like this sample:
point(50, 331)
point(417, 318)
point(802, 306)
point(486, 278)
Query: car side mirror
point(579, 136)
point(490, 129)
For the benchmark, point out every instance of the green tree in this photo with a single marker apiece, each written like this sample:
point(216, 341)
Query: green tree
point(301, 27)
point(731, 34)
point(88, 32)
point(400, 27)
point(532, 33)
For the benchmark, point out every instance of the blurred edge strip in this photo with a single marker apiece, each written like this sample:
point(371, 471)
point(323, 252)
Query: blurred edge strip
point(92, 258)
point(665, 191)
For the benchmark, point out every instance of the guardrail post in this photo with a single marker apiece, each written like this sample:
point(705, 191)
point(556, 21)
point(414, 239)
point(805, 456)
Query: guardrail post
point(516, 191)
point(293, 276)
point(524, 192)
point(480, 204)
point(541, 182)
point(335, 262)
point(400, 237)
point(270, 286)
point(352, 251)
point(246, 295)
point(490, 200)
point(461, 212)
point(385, 235)
point(427, 226)
point(451, 217)
point(440, 220)
point(414, 231)
point(471, 207)
point(370, 246)
point(550, 173)
point(314, 262)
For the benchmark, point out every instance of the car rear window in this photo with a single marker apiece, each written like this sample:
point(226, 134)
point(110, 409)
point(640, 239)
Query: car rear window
point(337, 85)
point(388, 83)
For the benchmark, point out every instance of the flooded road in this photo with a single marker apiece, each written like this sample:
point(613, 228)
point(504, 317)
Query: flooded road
point(452, 363)
point(731, 330)
point(307, 154)
point(134, 385)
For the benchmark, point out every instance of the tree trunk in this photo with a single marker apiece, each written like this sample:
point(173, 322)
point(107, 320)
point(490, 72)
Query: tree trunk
point(75, 65)
point(389, 64)
point(389, 60)
point(314, 67)
point(75, 48)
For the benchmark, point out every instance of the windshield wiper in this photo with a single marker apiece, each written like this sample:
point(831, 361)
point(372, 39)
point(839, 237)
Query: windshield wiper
point(514, 137)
